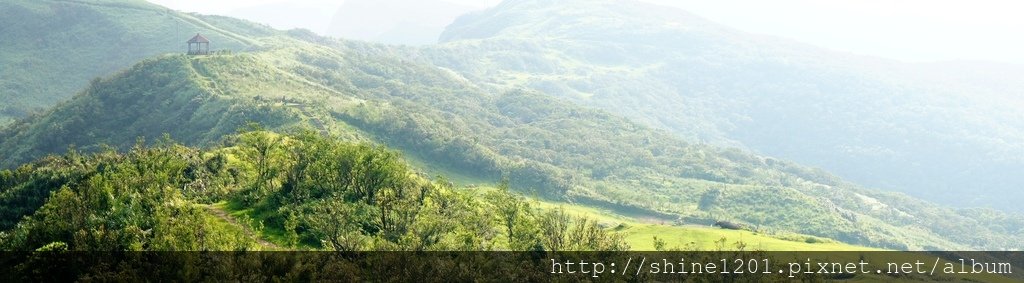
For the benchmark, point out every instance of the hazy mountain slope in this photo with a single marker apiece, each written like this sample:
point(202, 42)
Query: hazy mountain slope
point(51, 49)
point(880, 123)
point(169, 95)
point(543, 145)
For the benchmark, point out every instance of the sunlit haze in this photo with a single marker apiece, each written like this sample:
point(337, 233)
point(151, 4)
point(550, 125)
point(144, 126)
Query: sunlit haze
point(428, 140)
point(909, 30)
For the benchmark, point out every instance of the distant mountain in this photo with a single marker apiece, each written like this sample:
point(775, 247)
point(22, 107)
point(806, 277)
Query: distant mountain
point(50, 49)
point(943, 132)
point(395, 21)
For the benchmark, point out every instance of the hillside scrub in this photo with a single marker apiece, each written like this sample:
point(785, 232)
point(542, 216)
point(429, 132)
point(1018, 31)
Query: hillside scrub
point(322, 193)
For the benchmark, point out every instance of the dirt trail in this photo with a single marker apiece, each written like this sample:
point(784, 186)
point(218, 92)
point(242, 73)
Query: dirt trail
point(319, 124)
point(223, 215)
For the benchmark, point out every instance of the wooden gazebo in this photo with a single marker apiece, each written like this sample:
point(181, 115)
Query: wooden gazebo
point(198, 45)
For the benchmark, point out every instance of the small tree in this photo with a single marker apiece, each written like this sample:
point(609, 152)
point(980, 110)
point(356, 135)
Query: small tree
point(263, 150)
point(554, 227)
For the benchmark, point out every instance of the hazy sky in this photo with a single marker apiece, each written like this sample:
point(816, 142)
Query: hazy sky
point(910, 30)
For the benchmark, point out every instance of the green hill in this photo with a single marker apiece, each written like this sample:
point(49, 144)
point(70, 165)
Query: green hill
point(308, 192)
point(53, 48)
point(313, 192)
point(514, 114)
point(544, 146)
point(942, 132)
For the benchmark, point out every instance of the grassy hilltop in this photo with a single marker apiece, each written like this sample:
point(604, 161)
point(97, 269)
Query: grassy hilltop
point(53, 48)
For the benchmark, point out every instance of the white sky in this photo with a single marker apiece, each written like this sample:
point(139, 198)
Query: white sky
point(909, 30)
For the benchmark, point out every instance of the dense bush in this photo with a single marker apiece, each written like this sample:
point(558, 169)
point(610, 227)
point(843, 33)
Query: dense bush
point(321, 193)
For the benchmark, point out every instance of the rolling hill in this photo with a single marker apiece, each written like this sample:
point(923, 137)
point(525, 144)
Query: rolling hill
point(475, 120)
point(544, 146)
point(949, 133)
point(53, 48)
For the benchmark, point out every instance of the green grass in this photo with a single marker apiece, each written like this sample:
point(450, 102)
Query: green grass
point(641, 237)
point(459, 178)
point(226, 227)
point(36, 36)
point(253, 219)
point(639, 232)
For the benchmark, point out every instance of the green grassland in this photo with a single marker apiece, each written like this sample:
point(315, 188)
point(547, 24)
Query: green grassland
point(640, 234)
point(641, 230)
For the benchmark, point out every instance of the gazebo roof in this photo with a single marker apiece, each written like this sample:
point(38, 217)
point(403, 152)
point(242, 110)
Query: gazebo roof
point(199, 39)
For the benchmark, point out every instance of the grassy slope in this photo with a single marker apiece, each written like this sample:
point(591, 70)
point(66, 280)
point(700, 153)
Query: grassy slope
point(640, 234)
point(640, 229)
point(134, 103)
point(82, 40)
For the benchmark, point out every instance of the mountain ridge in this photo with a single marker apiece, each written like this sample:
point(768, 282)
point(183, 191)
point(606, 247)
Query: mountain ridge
point(107, 36)
point(875, 121)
